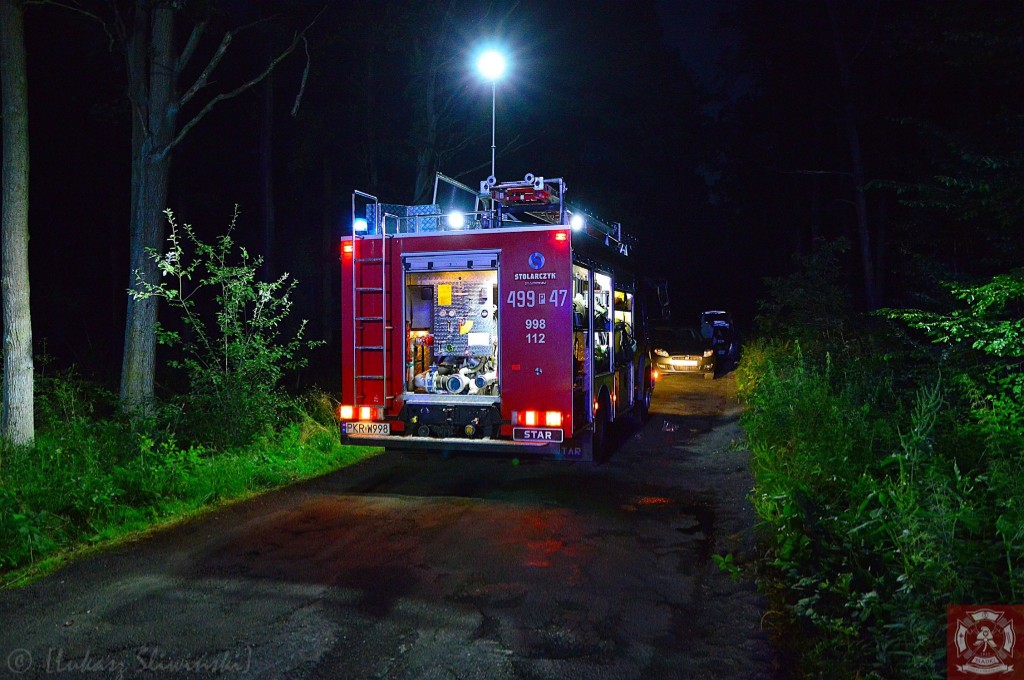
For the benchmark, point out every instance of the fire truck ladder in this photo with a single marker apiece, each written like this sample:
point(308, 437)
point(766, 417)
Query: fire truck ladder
point(370, 308)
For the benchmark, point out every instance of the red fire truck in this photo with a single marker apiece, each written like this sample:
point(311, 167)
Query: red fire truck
point(499, 320)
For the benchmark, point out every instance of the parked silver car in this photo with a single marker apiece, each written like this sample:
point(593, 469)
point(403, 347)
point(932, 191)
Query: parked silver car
point(682, 349)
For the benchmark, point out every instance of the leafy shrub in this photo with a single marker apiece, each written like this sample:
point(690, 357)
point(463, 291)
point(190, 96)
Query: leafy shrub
point(881, 504)
point(237, 348)
point(65, 396)
point(811, 305)
point(88, 480)
point(95, 474)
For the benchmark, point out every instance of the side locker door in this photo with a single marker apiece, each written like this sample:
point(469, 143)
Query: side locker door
point(625, 359)
point(582, 401)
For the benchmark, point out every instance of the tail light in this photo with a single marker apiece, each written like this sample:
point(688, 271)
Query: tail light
point(346, 412)
point(537, 418)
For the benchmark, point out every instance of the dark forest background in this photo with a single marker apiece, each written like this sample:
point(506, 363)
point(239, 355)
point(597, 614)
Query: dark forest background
point(895, 127)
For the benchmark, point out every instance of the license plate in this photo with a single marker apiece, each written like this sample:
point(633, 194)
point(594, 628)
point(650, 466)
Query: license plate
point(536, 434)
point(684, 362)
point(366, 428)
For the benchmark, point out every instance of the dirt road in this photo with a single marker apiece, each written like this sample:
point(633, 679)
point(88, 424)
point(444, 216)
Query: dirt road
point(412, 566)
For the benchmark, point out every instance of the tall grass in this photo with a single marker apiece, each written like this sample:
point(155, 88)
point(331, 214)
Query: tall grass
point(882, 501)
point(93, 476)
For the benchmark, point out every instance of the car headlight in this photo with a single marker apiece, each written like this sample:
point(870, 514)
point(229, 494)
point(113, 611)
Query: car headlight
point(661, 352)
point(709, 352)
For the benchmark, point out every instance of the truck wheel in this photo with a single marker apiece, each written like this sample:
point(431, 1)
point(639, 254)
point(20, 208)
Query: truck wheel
point(645, 406)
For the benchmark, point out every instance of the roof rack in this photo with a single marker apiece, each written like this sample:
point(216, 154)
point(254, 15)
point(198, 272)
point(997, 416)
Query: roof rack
point(534, 200)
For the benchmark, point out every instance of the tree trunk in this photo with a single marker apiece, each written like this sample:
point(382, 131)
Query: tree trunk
point(153, 129)
point(370, 124)
point(856, 160)
point(426, 153)
point(266, 172)
point(18, 425)
point(329, 311)
point(154, 66)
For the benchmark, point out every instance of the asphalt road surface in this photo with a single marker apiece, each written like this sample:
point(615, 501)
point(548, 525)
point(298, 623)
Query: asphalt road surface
point(413, 566)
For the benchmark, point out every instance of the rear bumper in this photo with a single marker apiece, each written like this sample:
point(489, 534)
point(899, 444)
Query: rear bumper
point(576, 448)
point(704, 365)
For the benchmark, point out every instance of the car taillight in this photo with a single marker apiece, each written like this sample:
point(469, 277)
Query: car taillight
point(366, 413)
point(530, 418)
point(553, 419)
point(346, 412)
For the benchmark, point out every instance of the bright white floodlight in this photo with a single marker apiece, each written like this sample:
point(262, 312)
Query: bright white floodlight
point(576, 222)
point(457, 220)
point(491, 65)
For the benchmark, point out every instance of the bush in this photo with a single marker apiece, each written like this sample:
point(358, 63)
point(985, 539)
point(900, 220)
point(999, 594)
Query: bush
point(88, 480)
point(94, 474)
point(237, 348)
point(812, 305)
point(881, 504)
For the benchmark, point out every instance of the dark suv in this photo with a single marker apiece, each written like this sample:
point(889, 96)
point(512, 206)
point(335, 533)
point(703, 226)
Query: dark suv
point(717, 328)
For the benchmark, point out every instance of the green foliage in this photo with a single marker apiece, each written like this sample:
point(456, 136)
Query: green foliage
point(728, 564)
point(95, 474)
point(988, 330)
point(89, 480)
point(991, 322)
point(811, 305)
point(64, 397)
point(881, 503)
point(236, 347)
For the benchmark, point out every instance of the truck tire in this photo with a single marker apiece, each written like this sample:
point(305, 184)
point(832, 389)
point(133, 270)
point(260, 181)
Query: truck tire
point(644, 407)
point(643, 410)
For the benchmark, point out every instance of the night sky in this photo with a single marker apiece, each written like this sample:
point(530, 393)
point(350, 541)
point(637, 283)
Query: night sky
point(712, 130)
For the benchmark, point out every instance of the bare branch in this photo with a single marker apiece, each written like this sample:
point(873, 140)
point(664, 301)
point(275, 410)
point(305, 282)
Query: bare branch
point(840, 173)
point(512, 146)
point(204, 77)
point(79, 10)
point(162, 153)
point(871, 32)
point(190, 47)
point(305, 76)
point(453, 149)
